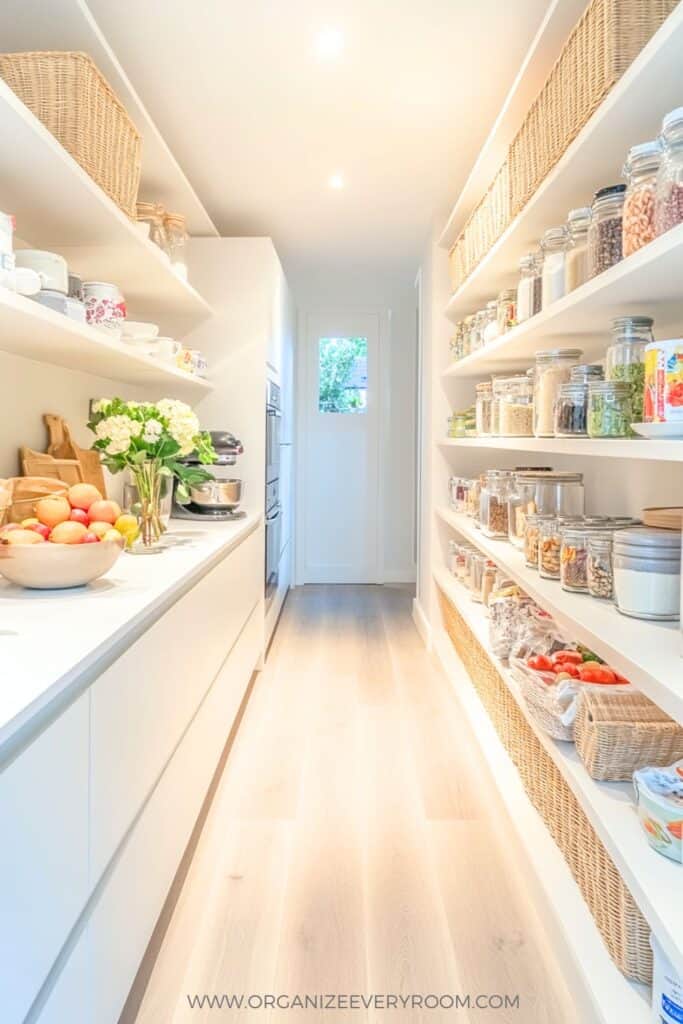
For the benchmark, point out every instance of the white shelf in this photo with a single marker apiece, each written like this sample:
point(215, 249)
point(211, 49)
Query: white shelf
point(655, 882)
point(631, 113)
point(33, 331)
point(58, 207)
point(616, 448)
point(649, 653)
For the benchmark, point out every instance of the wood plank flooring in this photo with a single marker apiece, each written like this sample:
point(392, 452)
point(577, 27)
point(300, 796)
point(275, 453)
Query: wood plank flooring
point(352, 845)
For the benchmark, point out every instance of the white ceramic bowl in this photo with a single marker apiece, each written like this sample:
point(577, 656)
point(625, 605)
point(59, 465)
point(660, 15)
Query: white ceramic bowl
point(139, 331)
point(50, 267)
point(57, 566)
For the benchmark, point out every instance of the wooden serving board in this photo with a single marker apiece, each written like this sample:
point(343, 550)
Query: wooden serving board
point(61, 445)
point(40, 464)
point(664, 518)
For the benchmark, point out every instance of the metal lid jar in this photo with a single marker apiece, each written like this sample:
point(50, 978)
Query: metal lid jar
point(605, 232)
point(525, 288)
point(609, 409)
point(599, 570)
point(647, 573)
point(493, 503)
point(626, 357)
point(543, 491)
point(669, 196)
point(552, 369)
point(506, 305)
point(550, 544)
point(483, 402)
point(574, 539)
point(576, 260)
point(640, 171)
point(554, 247)
point(491, 328)
point(515, 412)
point(532, 537)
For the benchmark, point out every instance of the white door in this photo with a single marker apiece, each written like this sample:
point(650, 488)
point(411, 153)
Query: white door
point(340, 449)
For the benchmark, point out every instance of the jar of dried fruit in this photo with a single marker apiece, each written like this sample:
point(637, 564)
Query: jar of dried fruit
point(640, 171)
point(605, 232)
point(669, 199)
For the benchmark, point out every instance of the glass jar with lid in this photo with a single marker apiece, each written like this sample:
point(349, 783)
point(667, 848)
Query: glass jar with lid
point(457, 492)
point(175, 226)
point(571, 410)
point(491, 329)
point(477, 330)
point(484, 393)
point(606, 229)
point(153, 214)
point(669, 197)
point(550, 544)
point(452, 556)
point(532, 537)
point(545, 492)
point(626, 357)
point(574, 540)
point(554, 246)
point(475, 570)
point(466, 333)
point(576, 262)
point(515, 411)
point(506, 309)
point(552, 369)
point(609, 409)
point(493, 503)
point(525, 288)
point(488, 581)
point(640, 171)
point(599, 569)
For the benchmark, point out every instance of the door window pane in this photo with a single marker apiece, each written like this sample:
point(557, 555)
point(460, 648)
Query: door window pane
point(342, 375)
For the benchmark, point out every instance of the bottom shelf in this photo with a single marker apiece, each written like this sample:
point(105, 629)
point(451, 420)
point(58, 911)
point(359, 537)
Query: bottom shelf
point(609, 996)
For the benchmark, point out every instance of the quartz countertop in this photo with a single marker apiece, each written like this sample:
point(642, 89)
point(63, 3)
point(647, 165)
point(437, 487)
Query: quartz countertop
point(53, 643)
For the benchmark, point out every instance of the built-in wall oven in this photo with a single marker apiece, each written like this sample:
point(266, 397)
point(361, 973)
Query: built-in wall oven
point(273, 423)
point(273, 508)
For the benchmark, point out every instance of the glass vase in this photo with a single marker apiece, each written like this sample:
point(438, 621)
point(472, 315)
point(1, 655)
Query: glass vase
point(148, 497)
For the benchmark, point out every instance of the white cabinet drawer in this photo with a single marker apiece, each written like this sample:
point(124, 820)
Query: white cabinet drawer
point(143, 703)
point(43, 855)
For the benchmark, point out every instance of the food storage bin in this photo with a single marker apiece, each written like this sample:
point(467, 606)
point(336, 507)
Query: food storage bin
point(493, 503)
point(599, 569)
point(490, 329)
point(576, 260)
point(525, 288)
point(506, 310)
point(552, 369)
point(609, 409)
point(625, 359)
point(659, 795)
point(484, 393)
point(515, 411)
point(640, 171)
point(647, 573)
point(606, 228)
point(554, 246)
point(669, 196)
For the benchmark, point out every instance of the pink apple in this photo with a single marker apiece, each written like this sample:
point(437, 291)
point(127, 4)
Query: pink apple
point(103, 511)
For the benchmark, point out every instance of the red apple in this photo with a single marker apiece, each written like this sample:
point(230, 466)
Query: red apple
point(103, 511)
point(52, 510)
point(68, 533)
point(83, 495)
point(40, 528)
point(79, 515)
point(90, 538)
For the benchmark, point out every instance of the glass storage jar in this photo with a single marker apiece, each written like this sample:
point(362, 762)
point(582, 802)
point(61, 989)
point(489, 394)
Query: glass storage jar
point(571, 409)
point(153, 214)
point(506, 306)
point(457, 491)
point(550, 544)
point(525, 288)
point(605, 232)
point(467, 325)
point(574, 555)
point(491, 329)
point(477, 330)
point(582, 373)
point(609, 409)
point(599, 569)
point(576, 262)
point(669, 197)
point(554, 247)
point(488, 581)
point(626, 357)
point(484, 393)
point(176, 241)
point(532, 537)
point(516, 407)
point(474, 497)
point(553, 368)
point(452, 557)
point(475, 570)
point(640, 171)
point(493, 503)
point(545, 492)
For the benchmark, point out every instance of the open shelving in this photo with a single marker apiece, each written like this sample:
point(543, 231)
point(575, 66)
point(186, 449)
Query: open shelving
point(615, 448)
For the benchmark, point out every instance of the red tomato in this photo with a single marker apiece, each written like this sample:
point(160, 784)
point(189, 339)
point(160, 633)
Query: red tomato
point(573, 656)
point(591, 672)
point(541, 663)
point(569, 668)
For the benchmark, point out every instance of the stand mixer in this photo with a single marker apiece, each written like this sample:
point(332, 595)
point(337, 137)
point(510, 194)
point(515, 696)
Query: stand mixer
point(216, 500)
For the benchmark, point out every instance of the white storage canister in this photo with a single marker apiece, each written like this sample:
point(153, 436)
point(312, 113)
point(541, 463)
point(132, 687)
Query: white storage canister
point(647, 573)
point(667, 988)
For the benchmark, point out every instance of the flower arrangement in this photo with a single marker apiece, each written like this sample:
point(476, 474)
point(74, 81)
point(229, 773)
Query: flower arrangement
point(149, 439)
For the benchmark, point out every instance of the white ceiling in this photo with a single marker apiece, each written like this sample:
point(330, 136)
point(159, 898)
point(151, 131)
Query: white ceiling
point(259, 123)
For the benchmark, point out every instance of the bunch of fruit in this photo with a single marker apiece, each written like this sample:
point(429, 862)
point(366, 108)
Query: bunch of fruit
point(81, 516)
point(579, 664)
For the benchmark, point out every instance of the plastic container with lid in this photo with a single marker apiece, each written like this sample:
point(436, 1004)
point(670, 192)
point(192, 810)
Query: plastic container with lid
point(606, 229)
point(506, 309)
point(640, 171)
point(647, 573)
point(525, 288)
point(626, 357)
point(542, 491)
point(515, 411)
point(609, 409)
point(554, 247)
point(553, 368)
point(576, 260)
point(484, 393)
point(490, 326)
point(669, 196)
point(493, 503)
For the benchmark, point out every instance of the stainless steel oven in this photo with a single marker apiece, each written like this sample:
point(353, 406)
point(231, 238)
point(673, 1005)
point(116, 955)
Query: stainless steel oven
point(273, 423)
point(273, 535)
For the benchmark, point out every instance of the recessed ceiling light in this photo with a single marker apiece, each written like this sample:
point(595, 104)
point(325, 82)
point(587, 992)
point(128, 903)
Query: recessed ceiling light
point(329, 43)
point(336, 181)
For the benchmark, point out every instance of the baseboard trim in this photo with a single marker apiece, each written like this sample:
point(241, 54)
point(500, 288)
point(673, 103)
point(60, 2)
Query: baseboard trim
point(422, 624)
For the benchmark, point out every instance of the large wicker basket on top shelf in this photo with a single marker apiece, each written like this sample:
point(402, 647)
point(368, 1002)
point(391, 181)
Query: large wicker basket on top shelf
point(485, 225)
point(68, 93)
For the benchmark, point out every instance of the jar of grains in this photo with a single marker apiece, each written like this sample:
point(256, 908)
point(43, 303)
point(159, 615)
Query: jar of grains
point(609, 409)
point(669, 198)
point(599, 568)
point(640, 171)
point(494, 503)
point(576, 262)
point(553, 368)
point(491, 330)
point(484, 399)
point(626, 357)
point(506, 309)
point(532, 537)
point(554, 247)
point(525, 288)
point(516, 407)
point(605, 232)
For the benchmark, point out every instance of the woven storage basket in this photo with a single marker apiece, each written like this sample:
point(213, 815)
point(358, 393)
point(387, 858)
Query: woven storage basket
point(457, 265)
point(616, 733)
point(623, 928)
point(485, 225)
point(610, 34)
point(542, 703)
point(67, 92)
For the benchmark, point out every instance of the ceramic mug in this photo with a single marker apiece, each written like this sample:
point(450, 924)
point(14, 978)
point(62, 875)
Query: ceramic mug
point(103, 303)
point(168, 349)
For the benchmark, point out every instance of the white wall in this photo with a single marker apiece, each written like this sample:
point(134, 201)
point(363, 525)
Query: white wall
point(393, 298)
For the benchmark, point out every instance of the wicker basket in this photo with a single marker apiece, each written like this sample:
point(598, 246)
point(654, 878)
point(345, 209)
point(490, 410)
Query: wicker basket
point(623, 928)
point(485, 225)
point(610, 34)
point(616, 733)
point(67, 92)
point(543, 703)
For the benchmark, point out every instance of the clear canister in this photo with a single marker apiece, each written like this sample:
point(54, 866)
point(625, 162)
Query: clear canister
point(609, 409)
point(626, 357)
point(484, 399)
point(494, 503)
point(599, 568)
point(554, 246)
point(606, 229)
point(490, 322)
point(552, 369)
point(515, 411)
point(640, 171)
point(532, 537)
point(525, 288)
point(506, 310)
point(576, 263)
point(669, 196)
point(550, 544)
point(546, 492)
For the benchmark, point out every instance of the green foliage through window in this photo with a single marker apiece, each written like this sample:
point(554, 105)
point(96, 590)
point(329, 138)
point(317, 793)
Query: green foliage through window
point(343, 375)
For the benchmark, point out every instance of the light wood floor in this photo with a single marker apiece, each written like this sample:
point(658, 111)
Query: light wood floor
point(351, 847)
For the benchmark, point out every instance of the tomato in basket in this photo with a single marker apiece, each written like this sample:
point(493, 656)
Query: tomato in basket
point(590, 672)
point(567, 668)
point(540, 663)
point(575, 657)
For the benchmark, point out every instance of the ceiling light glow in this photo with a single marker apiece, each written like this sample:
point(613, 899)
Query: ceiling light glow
point(336, 181)
point(329, 43)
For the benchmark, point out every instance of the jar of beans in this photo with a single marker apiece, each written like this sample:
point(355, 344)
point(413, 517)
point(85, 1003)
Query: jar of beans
point(599, 569)
point(605, 232)
point(669, 199)
point(494, 503)
point(640, 171)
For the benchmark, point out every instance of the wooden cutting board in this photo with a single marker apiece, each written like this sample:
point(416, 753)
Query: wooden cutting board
point(62, 446)
point(664, 518)
point(41, 464)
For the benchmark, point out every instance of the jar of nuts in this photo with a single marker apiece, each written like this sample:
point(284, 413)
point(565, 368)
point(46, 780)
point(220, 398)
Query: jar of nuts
point(669, 199)
point(599, 566)
point(494, 503)
point(532, 536)
point(550, 544)
point(640, 171)
point(605, 232)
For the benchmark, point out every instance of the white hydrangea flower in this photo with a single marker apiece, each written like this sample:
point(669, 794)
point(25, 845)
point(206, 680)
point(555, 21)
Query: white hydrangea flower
point(183, 424)
point(118, 431)
point(99, 405)
point(152, 431)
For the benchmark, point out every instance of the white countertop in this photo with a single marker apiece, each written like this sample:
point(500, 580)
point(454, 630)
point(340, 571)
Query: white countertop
point(55, 642)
